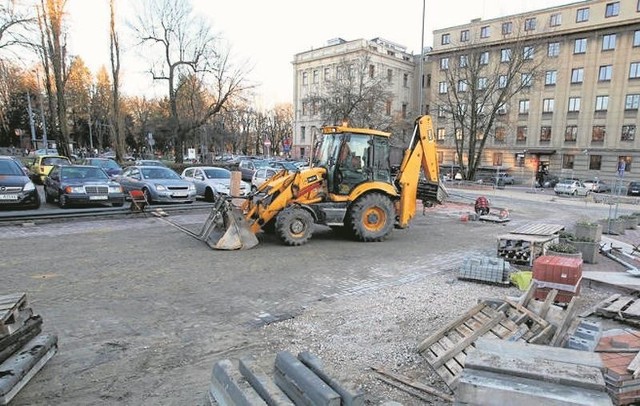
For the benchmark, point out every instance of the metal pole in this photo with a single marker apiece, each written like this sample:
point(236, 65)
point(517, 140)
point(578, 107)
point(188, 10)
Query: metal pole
point(421, 74)
point(31, 123)
point(90, 134)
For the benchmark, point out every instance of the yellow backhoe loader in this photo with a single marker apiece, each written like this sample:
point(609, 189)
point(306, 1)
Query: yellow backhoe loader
point(349, 187)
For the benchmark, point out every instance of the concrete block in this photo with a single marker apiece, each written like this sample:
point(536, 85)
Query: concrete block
point(266, 388)
point(351, 395)
point(586, 334)
point(577, 343)
point(228, 387)
point(301, 384)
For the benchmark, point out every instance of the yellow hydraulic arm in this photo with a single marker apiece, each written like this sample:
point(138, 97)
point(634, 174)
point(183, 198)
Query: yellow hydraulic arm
point(419, 155)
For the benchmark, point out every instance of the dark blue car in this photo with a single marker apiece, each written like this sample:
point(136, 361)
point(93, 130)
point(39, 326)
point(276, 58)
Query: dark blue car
point(109, 165)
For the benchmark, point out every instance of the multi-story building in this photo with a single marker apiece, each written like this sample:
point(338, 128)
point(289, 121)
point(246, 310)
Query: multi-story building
point(314, 69)
point(579, 115)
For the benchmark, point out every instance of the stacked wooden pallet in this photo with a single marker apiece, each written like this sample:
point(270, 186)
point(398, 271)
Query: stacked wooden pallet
point(23, 349)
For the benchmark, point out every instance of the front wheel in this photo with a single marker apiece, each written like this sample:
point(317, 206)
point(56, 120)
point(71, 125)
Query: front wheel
point(294, 226)
point(209, 195)
point(62, 201)
point(147, 195)
point(372, 217)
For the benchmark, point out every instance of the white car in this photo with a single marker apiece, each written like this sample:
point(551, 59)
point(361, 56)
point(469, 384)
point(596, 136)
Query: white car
point(211, 181)
point(571, 187)
point(260, 176)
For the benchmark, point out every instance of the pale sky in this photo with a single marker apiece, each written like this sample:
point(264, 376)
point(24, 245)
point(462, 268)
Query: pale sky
point(268, 33)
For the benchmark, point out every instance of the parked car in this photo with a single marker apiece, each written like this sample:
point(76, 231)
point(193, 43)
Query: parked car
point(502, 178)
point(261, 175)
point(633, 189)
point(249, 166)
point(81, 185)
point(43, 164)
point(109, 165)
point(158, 183)
point(573, 187)
point(149, 162)
point(16, 189)
point(550, 181)
point(597, 185)
point(288, 165)
point(212, 180)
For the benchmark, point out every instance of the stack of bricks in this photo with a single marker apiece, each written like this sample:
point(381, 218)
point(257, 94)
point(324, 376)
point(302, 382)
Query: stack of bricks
point(557, 272)
point(621, 377)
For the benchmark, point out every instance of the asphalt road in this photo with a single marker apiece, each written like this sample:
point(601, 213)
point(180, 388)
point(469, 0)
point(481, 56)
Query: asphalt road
point(142, 310)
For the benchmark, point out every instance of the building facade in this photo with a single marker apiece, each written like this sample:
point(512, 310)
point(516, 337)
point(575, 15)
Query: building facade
point(313, 70)
point(578, 116)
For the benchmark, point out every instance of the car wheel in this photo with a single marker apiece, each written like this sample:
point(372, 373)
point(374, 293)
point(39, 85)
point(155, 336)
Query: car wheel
point(62, 201)
point(209, 196)
point(36, 205)
point(147, 195)
point(254, 189)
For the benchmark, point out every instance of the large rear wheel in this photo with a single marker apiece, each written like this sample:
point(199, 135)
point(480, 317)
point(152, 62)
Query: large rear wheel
point(294, 226)
point(372, 217)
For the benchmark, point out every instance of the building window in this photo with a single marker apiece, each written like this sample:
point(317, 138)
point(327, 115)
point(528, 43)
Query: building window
point(484, 58)
point(507, 28)
point(502, 110)
point(627, 162)
point(527, 52)
point(553, 49)
point(442, 87)
point(387, 108)
point(612, 9)
point(567, 161)
point(462, 85)
point(580, 46)
point(505, 55)
point(497, 159)
point(305, 108)
point(305, 78)
point(440, 155)
point(458, 133)
point(598, 133)
point(446, 39)
point(636, 38)
point(604, 73)
point(547, 105)
point(440, 132)
point(464, 35)
point(327, 74)
point(555, 20)
point(608, 42)
point(574, 104)
point(389, 75)
point(628, 132)
point(404, 110)
point(502, 81)
point(634, 70)
point(444, 63)
point(339, 72)
point(405, 80)
point(372, 71)
point(577, 75)
point(632, 102)
point(501, 135)
point(523, 107)
point(482, 83)
point(602, 102)
point(464, 61)
point(484, 32)
point(303, 133)
point(316, 76)
point(582, 15)
point(571, 133)
point(526, 79)
point(521, 133)
point(530, 24)
point(550, 77)
point(595, 162)
point(441, 111)
point(545, 133)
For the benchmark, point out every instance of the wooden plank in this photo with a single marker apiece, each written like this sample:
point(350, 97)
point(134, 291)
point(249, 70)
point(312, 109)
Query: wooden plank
point(414, 384)
point(526, 298)
point(634, 366)
point(562, 328)
point(529, 313)
point(620, 303)
point(452, 365)
point(633, 311)
point(603, 303)
point(544, 336)
point(442, 331)
point(548, 301)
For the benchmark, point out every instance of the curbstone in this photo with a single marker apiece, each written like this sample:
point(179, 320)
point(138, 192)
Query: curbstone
point(351, 396)
point(266, 388)
point(301, 384)
point(227, 389)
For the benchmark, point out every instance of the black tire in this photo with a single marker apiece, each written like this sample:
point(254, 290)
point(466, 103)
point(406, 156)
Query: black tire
point(254, 189)
point(62, 201)
point(48, 198)
point(209, 195)
point(37, 204)
point(575, 193)
point(118, 204)
point(294, 226)
point(372, 217)
point(270, 227)
point(147, 195)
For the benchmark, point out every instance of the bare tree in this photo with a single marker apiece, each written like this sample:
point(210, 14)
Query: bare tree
point(117, 123)
point(15, 25)
point(477, 91)
point(183, 44)
point(358, 95)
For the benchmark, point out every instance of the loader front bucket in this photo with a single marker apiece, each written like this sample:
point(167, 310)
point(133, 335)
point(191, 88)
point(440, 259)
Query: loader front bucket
point(227, 229)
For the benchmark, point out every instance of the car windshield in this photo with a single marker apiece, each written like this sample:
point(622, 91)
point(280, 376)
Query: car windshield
point(54, 161)
point(150, 163)
point(217, 173)
point(158, 173)
point(82, 172)
point(105, 163)
point(10, 168)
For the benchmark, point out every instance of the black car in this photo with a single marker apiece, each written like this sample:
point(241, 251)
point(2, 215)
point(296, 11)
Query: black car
point(633, 189)
point(81, 184)
point(16, 189)
point(109, 165)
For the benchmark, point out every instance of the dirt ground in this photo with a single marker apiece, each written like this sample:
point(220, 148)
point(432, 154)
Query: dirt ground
point(143, 311)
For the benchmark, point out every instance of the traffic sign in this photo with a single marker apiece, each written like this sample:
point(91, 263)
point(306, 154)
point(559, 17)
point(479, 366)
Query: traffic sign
point(267, 143)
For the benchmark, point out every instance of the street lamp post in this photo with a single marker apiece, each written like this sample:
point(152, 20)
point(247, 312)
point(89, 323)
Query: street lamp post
point(421, 74)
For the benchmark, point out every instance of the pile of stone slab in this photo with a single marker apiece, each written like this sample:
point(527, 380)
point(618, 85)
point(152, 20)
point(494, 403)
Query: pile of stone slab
point(24, 350)
point(300, 380)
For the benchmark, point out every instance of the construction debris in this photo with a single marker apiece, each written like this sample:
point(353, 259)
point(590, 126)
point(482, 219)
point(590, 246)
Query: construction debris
point(23, 349)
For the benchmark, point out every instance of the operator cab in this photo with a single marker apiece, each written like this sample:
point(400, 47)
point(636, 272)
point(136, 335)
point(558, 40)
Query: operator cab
point(352, 158)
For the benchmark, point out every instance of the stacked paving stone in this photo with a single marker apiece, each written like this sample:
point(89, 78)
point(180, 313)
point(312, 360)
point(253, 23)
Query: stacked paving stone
point(296, 381)
point(485, 269)
point(23, 349)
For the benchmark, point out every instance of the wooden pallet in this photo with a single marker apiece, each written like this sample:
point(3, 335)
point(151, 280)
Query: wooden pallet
point(14, 312)
point(619, 307)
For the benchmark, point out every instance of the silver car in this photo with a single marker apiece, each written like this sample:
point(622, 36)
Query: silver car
point(158, 183)
point(211, 181)
point(572, 187)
